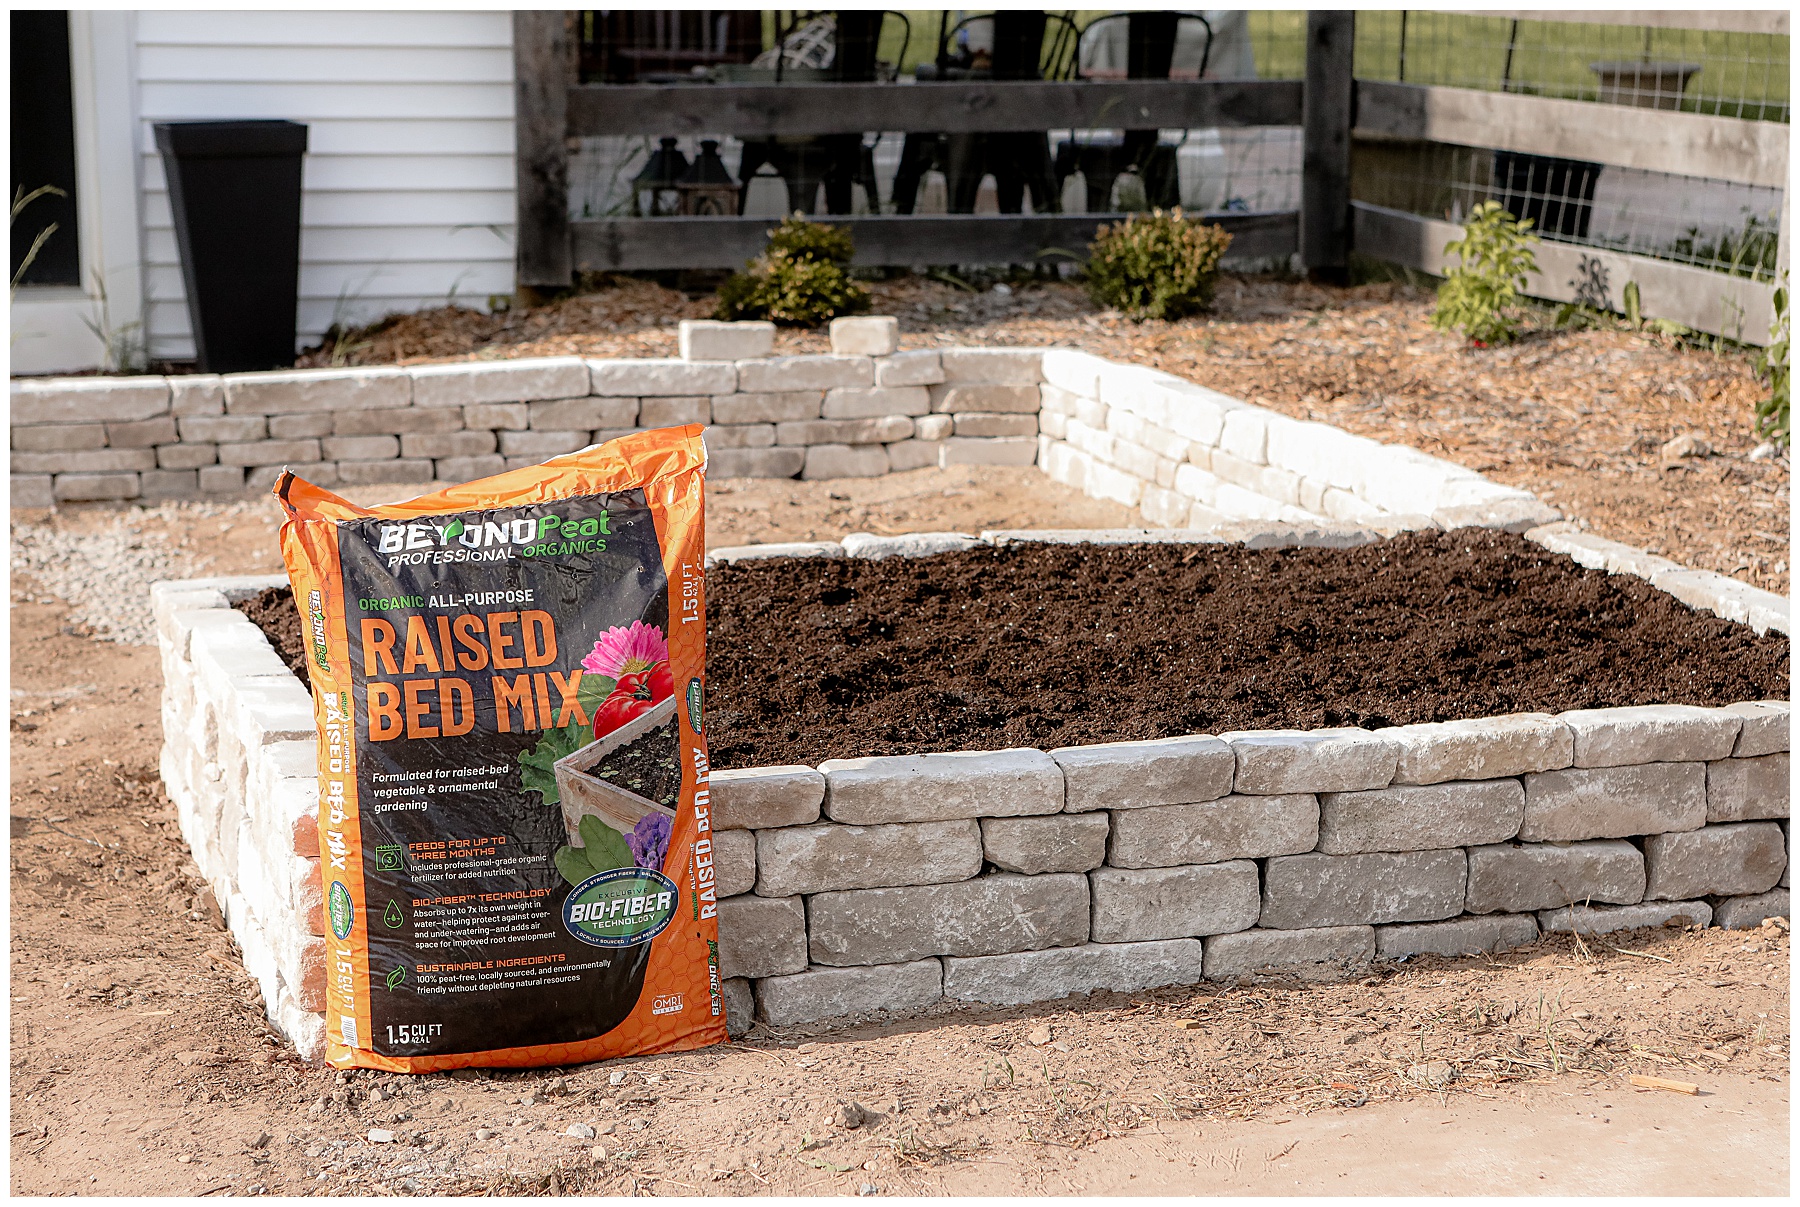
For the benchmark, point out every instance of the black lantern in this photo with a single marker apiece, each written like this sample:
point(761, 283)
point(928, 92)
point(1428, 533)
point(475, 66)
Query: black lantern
point(707, 187)
point(656, 191)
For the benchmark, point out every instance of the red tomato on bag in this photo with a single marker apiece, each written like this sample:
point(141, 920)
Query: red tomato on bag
point(635, 695)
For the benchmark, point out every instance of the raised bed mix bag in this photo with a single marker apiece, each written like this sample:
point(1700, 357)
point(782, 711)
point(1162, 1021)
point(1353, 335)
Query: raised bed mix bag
point(513, 817)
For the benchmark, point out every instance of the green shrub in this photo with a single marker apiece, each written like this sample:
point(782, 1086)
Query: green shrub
point(1481, 295)
point(1772, 366)
point(800, 280)
point(1157, 265)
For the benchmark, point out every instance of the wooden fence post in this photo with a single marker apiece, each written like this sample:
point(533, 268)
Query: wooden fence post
point(543, 68)
point(1326, 120)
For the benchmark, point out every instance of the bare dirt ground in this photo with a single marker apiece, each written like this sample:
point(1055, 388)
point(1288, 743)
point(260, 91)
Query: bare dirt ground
point(141, 1064)
point(1578, 417)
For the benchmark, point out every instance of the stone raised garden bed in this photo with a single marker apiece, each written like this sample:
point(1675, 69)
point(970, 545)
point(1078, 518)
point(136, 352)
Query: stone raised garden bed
point(1023, 874)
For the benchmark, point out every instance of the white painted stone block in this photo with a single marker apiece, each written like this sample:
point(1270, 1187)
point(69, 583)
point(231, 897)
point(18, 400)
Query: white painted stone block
point(710, 339)
point(993, 366)
point(1076, 372)
point(1245, 435)
point(864, 335)
point(998, 450)
point(748, 553)
point(910, 544)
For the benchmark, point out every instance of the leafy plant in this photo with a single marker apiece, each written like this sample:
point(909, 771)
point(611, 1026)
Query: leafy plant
point(1772, 367)
point(1160, 265)
point(1481, 294)
point(1748, 252)
point(537, 766)
point(602, 849)
point(801, 279)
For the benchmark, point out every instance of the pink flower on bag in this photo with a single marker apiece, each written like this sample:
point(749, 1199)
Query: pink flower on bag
point(623, 651)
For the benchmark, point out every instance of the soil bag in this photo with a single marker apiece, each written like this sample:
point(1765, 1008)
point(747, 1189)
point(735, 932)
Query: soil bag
point(513, 820)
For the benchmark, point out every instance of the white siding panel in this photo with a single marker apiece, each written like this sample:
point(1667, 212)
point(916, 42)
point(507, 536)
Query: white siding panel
point(409, 174)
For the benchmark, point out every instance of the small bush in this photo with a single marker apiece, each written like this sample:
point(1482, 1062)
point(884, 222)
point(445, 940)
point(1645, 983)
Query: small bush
point(1772, 367)
point(1157, 265)
point(1482, 292)
point(800, 280)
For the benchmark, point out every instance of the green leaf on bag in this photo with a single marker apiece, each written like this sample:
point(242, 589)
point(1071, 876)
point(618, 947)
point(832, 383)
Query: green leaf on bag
point(453, 530)
point(572, 863)
point(537, 766)
point(397, 977)
point(605, 846)
point(591, 691)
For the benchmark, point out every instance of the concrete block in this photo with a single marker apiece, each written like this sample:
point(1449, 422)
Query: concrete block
point(751, 553)
point(1035, 845)
point(1747, 789)
point(864, 335)
point(493, 416)
point(1063, 463)
point(875, 402)
point(1517, 878)
point(473, 383)
point(261, 479)
point(536, 443)
point(986, 916)
point(1273, 761)
point(32, 490)
point(1515, 512)
point(981, 423)
point(468, 469)
point(1057, 401)
point(885, 430)
point(999, 450)
point(1233, 827)
point(733, 854)
point(825, 858)
point(60, 437)
point(1049, 423)
point(942, 787)
point(834, 992)
point(1481, 748)
point(1076, 372)
point(582, 414)
point(903, 455)
point(1135, 775)
point(1613, 802)
point(1245, 435)
point(1728, 860)
point(763, 798)
point(1040, 976)
point(1016, 400)
point(414, 445)
point(269, 452)
point(1164, 507)
point(1456, 937)
point(1323, 954)
point(921, 368)
point(1747, 913)
point(659, 378)
point(373, 473)
point(755, 462)
point(141, 433)
point(289, 392)
point(1301, 891)
point(92, 488)
point(221, 479)
point(1598, 553)
point(767, 408)
point(786, 373)
point(740, 435)
point(1727, 598)
point(842, 461)
point(359, 448)
point(168, 484)
point(1765, 727)
point(1651, 733)
point(308, 426)
point(911, 544)
point(88, 399)
point(1105, 482)
point(674, 412)
point(85, 461)
point(1173, 902)
point(708, 339)
point(412, 421)
point(993, 366)
point(196, 394)
point(761, 936)
point(1457, 813)
point(740, 1005)
point(934, 427)
point(1600, 919)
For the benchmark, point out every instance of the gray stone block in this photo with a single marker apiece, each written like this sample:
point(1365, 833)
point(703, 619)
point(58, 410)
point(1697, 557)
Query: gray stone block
point(582, 414)
point(141, 433)
point(762, 798)
point(1747, 789)
point(709, 339)
point(1456, 937)
point(1173, 903)
point(755, 462)
point(997, 450)
point(1513, 878)
point(740, 1006)
point(761, 936)
point(733, 854)
point(982, 423)
point(767, 408)
point(883, 430)
point(992, 914)
point(672, 412)
point(414, 421)
point(910, 544)
point(921, 368)
point(875, 402)
point(438, 445)
point(1600, 919)
point(291, 392)
point(1651, 733)
point(1420, 817)
point(1014, 400)
point(88, 399)
point(197, 394)
point(756, 553)
point(1272, 761)
point(493, 416)
point(1747, 913)
point(996, 366)
point(360, 448)
point(662, 378)
point(59, 437)
point(1482, 748)
point(1134, 775)
point(780, 374)
point(843, 461)
point(1765, 727)
point(467, 469)
point(186, 456)
point(32, 490)
point(475, 383)
point(85, 461)
point(541, 443)
point(825, 858)
point(1305, 891)
point(169, 484)
point(740, 435)
point(92, 488)
point(303, 427)
point(1728, 860)
point(1613, 802)
point(1324, 954)
point(834, 992)
point(1042, 976)
point(370, 473)
point(942, 787)
point(1035, 845)
point(1232, 827)
point(903, 455)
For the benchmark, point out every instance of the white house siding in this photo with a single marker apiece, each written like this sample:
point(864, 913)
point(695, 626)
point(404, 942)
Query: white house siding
point(409, 170)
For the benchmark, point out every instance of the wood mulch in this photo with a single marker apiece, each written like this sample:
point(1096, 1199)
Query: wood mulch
point(1578, 417)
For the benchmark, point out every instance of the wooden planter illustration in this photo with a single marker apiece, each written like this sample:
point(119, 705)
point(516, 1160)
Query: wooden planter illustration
point(584, 795)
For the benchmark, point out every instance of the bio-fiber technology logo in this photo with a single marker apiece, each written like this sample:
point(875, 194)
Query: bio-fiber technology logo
point(622, 907)
point(343, 914)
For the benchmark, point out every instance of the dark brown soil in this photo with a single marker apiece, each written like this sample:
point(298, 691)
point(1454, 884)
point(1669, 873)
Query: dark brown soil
point(1055, 645)
point(646, 766)
point(273, 612)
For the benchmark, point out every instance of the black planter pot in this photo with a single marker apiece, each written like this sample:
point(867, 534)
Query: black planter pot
point(234, 188)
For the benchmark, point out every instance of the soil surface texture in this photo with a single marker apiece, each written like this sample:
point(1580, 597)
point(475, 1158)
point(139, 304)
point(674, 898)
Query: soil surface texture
point(645, 766)
point(1578, 417)
point(273, 612)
